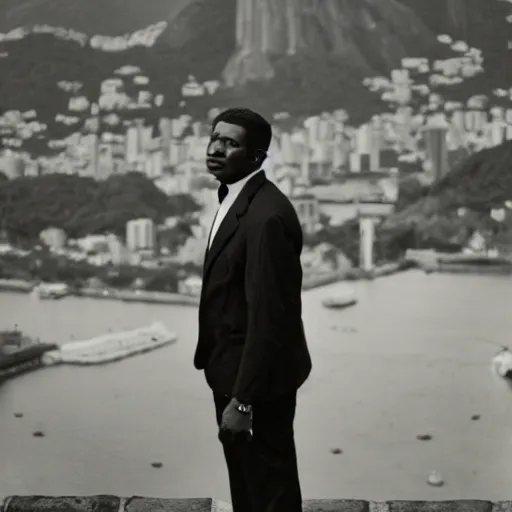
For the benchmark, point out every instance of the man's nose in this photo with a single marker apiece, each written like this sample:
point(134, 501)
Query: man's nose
point(215, 148)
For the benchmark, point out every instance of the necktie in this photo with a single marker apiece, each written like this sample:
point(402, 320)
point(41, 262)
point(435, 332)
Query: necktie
point(222, 192)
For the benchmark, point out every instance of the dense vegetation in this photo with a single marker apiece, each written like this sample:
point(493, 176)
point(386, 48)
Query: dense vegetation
point(442, 215)
point(82, 206)
point(47, 267)
point(449, 211)
point(387, 248)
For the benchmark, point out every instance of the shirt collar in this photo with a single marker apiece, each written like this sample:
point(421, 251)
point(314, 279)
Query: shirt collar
point(235, 188)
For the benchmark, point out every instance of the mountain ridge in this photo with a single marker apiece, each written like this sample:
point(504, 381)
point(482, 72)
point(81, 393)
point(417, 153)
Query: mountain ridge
point(108, 17)
point(303, 64)
point(372, 36)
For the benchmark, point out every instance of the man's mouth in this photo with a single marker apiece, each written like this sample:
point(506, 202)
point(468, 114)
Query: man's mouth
point(214, 164)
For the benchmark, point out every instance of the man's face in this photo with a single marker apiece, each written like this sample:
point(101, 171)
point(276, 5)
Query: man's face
point(227, 153)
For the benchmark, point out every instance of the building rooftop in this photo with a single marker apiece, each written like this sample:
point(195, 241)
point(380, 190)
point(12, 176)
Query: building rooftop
point(104, 503)
point(374, 190)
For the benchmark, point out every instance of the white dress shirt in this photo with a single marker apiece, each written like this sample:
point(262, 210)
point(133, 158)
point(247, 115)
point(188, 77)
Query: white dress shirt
point(233, 191)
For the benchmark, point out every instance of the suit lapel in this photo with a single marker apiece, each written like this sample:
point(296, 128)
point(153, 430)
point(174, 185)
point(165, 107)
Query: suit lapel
point(230, 223)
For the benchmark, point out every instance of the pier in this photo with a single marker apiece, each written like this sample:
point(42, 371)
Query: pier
point(23, 360)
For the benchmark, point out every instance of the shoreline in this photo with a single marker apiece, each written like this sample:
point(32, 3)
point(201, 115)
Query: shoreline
point(313, 281)
point(310, 282)
point(16, 285)
point(139, 296)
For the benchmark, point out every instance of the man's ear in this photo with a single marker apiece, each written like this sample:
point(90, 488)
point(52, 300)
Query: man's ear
point(259, 157)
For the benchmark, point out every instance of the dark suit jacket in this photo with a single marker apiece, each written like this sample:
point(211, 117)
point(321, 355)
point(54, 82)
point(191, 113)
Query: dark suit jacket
point(251, 337)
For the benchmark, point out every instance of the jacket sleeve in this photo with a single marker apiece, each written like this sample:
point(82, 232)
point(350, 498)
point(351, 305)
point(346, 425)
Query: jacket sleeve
point(267, 287)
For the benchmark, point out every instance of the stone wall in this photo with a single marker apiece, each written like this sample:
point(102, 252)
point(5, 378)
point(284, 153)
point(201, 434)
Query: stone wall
point(105, 503)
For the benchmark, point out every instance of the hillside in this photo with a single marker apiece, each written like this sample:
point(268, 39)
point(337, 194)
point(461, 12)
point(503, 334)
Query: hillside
point(460, 203)
point(309, 59)
point(82, 206)
point(111, 17)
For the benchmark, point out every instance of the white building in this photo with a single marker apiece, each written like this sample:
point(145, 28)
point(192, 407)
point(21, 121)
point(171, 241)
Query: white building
point(118, 253)
point(154, 161)
point(140, 235)
point(132, 144)
point(191, 286)
point(53, 237)
point(12, 165)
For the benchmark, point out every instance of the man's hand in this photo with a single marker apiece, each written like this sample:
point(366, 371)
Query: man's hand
point(234, 422)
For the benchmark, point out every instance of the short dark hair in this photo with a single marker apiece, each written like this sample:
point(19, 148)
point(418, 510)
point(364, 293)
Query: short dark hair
point(259, 131)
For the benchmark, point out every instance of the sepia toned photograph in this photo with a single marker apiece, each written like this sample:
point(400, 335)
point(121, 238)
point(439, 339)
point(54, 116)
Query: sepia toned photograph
point(255, 255)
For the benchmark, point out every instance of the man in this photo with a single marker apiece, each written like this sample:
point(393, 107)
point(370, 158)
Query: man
point(251, 343)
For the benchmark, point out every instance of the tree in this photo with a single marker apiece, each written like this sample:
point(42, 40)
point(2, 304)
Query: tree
point(82, 206)
point(174, 237)
point(410, 190)
point(164, 280)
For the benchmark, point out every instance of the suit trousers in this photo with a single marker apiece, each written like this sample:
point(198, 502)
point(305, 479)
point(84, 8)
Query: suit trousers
point(263, 473)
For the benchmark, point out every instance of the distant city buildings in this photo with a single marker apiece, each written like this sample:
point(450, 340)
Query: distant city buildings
point(53, 238)
point(190, 286)
point(119, 254)
point(436, 149)
point(328, 168)
point(321, 147)
point(306, 206)
point(141, 235)
point(12, 164)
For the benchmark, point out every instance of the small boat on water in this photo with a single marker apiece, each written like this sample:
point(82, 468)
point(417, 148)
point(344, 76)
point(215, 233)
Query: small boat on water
point(51, 290)
point(502, 363)
point(341, 300)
